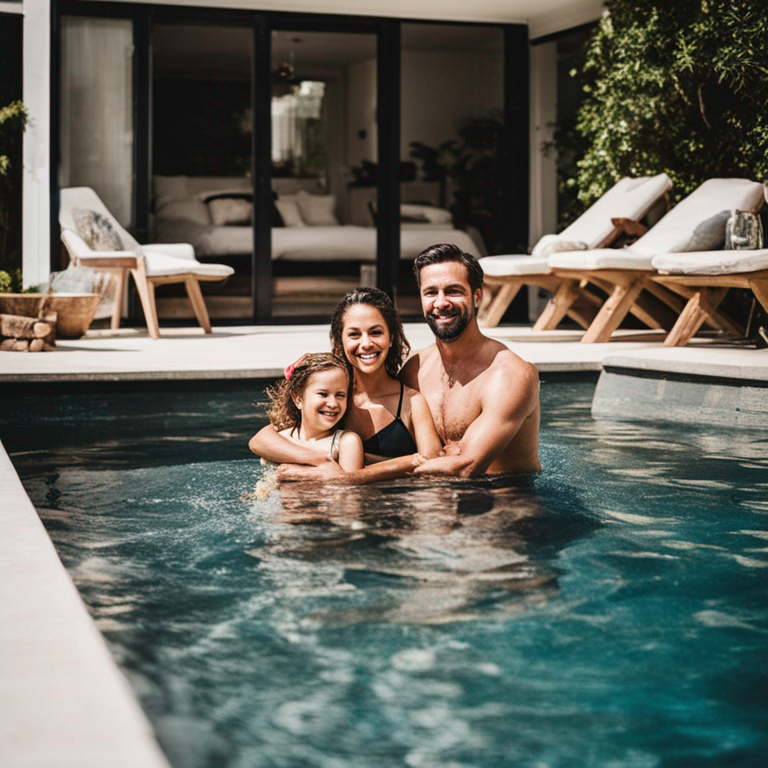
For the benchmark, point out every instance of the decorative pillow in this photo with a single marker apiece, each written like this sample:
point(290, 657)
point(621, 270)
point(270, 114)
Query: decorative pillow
point(96, 230)
point(184, 209)
point(709, 235)
point(289, 212)
point(550, 244)
point(230, 210)
point(317, 210)
point(413, 212)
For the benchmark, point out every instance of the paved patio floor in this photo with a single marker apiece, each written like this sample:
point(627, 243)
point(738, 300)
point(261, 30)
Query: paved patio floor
point(62, 699)
point(264, 351)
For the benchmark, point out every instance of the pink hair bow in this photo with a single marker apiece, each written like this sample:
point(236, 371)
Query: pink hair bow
point(288, 372)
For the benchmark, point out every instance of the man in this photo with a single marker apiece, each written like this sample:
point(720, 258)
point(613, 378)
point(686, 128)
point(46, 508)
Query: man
point(484, 399)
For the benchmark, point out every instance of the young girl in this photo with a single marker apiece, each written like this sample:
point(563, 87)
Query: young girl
point(310, 403)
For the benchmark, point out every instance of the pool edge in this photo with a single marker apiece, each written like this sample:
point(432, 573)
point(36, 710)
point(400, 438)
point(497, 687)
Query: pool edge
point(64, 699)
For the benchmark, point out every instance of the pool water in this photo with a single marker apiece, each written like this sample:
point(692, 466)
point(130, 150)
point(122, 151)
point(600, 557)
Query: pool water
point(610, 611)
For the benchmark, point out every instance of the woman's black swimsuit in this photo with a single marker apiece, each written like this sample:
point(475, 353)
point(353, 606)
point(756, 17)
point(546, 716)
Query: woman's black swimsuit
point(394, 439)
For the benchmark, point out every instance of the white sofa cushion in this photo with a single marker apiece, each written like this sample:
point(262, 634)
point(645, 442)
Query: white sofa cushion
point(711, 262)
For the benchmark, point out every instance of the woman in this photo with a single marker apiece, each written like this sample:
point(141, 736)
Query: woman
point(392, 420)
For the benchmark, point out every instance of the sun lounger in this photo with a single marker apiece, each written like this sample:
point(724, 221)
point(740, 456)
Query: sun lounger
point(708, 276)
point(84, 217)
point(696, 224)
point(506, 275)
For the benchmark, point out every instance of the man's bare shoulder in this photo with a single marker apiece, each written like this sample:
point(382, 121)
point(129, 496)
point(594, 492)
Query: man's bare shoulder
point(509, 367)
point(409, 373)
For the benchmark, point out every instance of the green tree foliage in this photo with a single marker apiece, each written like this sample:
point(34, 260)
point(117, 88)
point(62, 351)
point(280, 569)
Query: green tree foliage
point(679, 86)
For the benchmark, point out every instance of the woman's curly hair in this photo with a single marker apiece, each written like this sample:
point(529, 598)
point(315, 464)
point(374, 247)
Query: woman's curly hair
point(283, 413)
point(381, 301)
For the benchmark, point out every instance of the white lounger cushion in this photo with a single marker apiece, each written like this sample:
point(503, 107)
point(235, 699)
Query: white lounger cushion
point(696, 223)
point(628, 198)
point(600, 258)
point(504, 266)
point(711, 262)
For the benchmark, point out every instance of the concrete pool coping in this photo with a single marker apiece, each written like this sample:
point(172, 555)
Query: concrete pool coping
point(63, 699)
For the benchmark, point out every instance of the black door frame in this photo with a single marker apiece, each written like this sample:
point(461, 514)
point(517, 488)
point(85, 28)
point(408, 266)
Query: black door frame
point(516, 110)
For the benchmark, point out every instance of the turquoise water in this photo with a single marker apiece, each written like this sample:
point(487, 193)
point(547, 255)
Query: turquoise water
point(608, 612)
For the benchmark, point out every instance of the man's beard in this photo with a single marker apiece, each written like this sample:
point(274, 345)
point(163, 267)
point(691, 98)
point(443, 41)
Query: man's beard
point(449, 332)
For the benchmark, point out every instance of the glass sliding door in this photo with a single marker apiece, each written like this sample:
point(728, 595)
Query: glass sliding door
point(451, 139)
point(323, 167)
point(201, 156)
point(96, 114)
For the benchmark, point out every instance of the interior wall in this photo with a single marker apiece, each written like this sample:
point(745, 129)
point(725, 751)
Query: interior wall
point(213, 142)
point(440, 90)
point(362, 135)
point(433, 107)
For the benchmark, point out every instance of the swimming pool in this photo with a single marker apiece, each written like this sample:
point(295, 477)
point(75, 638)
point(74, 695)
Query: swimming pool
point(610, 611)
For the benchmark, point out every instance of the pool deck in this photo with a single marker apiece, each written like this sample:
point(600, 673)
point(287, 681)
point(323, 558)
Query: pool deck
point(63, 701)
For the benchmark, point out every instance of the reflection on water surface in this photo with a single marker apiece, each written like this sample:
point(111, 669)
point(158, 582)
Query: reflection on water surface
point(609, 611)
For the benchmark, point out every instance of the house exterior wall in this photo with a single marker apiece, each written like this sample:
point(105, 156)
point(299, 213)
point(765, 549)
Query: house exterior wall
point(36, 229)
point(37, 95)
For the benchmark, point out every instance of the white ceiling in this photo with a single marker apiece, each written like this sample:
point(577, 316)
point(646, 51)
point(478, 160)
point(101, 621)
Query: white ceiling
point(184, 48)
point(543, 17)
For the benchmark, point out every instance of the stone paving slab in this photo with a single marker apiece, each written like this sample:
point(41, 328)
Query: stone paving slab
point(263, 352)
point(63, 700)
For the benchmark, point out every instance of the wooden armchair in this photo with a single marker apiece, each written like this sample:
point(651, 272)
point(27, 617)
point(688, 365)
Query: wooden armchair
point(94, 238)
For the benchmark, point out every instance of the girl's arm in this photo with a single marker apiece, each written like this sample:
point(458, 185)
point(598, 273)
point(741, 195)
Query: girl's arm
point(351, 455)
point(427, 440)
point(272, 446)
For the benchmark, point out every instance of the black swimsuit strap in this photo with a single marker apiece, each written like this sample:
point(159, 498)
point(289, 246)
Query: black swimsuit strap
point(400, 402)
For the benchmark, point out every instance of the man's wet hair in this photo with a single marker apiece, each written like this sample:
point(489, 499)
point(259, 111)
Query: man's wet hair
point(442, 252)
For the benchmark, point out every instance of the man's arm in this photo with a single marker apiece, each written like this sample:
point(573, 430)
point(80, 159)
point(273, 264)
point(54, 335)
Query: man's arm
point(272, 446)
point(504, 409)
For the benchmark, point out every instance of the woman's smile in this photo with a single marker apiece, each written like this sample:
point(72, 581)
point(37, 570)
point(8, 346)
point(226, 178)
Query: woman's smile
point(366, 338)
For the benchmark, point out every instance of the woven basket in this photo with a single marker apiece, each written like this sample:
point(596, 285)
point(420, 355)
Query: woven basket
point(74, 312)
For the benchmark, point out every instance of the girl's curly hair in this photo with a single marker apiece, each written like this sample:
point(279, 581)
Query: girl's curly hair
point(381, 301)
point(283, 413)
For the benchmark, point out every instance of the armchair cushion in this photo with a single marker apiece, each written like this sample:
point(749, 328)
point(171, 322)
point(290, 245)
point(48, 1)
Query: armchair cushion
point(96, 230)
point(164, 265)
point(177, 250)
